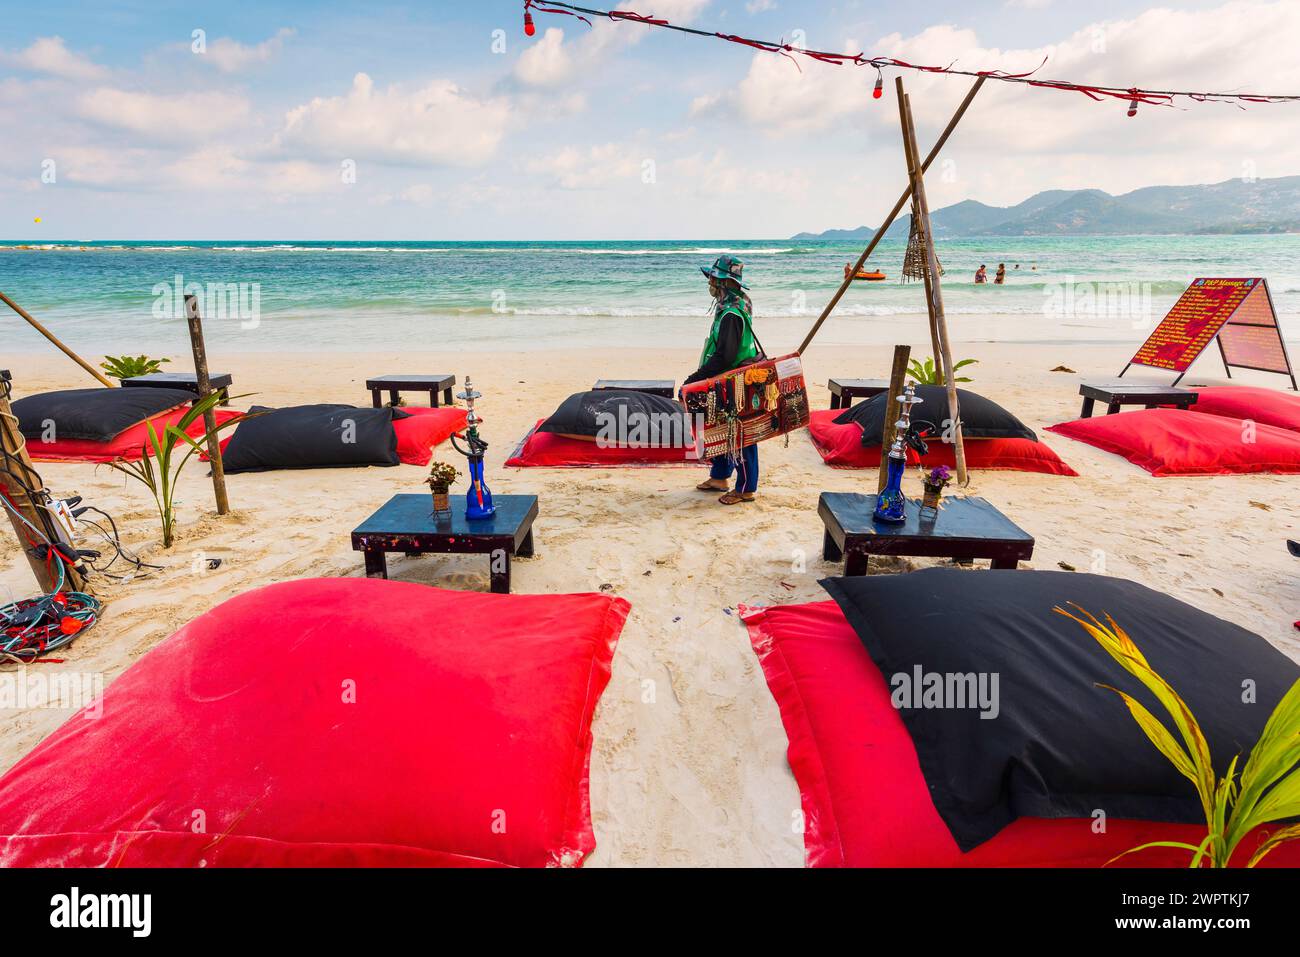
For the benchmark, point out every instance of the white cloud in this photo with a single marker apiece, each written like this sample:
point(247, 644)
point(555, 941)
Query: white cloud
point(166, 116)
point(596, 167)
point(546, 62)
point(438, 123)
point(760, 6)
point(1029, 4)
point(51, 56)
point(421, 194)
point(550, 60)
point(231, 56)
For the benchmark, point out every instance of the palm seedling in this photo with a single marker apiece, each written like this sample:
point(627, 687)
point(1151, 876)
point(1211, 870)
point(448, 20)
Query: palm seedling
point(159, 469)
point(1267, 789)
point(128, 367)
point(926, 373)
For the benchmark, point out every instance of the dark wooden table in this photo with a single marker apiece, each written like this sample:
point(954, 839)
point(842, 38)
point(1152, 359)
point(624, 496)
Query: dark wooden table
point(964, 529)
point(220, 382)
point(664, 387)
point(1116, 394)
point(844, 391)
point(395, 385)
point(407, 525)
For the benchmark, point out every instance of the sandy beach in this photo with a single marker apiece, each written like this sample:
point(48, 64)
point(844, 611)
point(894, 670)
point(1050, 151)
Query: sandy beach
point(689, 765)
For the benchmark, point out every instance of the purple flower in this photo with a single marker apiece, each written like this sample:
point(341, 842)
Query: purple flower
point(939, 476)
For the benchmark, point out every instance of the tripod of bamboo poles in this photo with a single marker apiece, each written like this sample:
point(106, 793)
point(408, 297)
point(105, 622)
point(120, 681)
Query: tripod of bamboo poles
point(933, 282)
point(934, 298)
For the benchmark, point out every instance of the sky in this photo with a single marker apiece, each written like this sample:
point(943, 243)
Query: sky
point(442, 121)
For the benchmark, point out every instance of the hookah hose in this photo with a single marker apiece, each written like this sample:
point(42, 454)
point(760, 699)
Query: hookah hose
point(476, 449)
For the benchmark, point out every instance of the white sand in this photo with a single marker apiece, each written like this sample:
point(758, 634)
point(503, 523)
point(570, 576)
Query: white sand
point(697, 775)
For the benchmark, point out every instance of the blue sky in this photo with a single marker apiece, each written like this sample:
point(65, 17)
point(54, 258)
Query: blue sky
point(617, 132)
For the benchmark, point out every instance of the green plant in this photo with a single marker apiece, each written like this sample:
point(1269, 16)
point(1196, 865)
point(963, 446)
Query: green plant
point(441, 476)
point(926, 373)
point(127, 367)
point(1268, 788)
point(157, 472)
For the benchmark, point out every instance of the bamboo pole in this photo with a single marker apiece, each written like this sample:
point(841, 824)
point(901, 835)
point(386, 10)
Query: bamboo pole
point(909, 154)
point(896, 376)
point(195, 323)
point(935, 302)
point(889, 220)
point(54, 339)
point(16, 460)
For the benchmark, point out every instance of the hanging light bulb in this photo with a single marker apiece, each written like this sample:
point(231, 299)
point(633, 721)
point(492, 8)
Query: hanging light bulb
point(879, 91)
point(1133, 104)
point(529, 29)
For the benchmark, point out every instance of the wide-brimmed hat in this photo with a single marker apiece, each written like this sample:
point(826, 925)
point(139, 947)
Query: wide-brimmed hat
point(726, 267)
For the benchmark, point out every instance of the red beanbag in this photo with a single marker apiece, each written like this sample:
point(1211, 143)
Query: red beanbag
point(332, 722)
point(1265, 406)
point(130, 445)
point(1176, 442)
point(840, 446)
point(423, 429)
point(865, 800)
point(548, 450)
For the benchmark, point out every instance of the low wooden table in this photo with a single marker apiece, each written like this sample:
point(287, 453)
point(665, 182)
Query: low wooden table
point(844, 391)
point(964, 529)
point(1116, 394)
point(220, 382)
point(395, 385)
point(406, 524)
point(664, 387)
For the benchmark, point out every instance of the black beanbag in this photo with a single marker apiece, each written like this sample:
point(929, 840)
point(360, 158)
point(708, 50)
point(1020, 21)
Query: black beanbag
point(93, 415)
point(312, 437)
point(621, 418)
point(1055, 745)
point(981, 418)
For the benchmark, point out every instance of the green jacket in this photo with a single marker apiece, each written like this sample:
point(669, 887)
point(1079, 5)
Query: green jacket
point(746, 349)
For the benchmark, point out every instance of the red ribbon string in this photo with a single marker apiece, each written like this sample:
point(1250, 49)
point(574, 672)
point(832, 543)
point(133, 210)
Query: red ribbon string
point(1094, 92)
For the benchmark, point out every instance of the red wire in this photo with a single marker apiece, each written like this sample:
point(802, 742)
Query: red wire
point(1154, 97)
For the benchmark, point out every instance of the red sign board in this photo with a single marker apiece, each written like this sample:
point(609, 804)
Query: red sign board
point(1238, 312)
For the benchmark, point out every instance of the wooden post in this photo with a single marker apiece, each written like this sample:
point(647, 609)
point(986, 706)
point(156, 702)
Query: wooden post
point(935, 299)
point(889, 220)
point(909, 154)
point(15, 459)
point(897, 375)
point(64, 349)
point(195, 323)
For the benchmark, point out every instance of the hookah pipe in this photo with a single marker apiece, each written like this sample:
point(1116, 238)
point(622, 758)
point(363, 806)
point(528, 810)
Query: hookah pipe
point(479, 496)
point(890, 502)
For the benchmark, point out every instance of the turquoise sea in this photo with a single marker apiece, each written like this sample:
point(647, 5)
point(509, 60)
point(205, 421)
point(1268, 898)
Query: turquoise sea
point(431, 296)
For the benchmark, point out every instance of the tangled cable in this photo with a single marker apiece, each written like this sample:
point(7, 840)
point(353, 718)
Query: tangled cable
point(33, 627)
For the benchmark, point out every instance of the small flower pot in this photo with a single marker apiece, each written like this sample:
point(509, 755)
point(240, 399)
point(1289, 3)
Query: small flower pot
point(441, 501)
point(933, 493)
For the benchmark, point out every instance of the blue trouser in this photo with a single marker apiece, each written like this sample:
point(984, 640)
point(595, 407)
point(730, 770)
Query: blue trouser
point(746, 469)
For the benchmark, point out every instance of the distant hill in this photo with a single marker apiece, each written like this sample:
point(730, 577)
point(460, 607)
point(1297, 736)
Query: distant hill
point(1234, 206)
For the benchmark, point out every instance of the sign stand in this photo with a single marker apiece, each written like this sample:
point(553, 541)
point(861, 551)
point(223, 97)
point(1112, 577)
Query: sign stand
point(1238, 314)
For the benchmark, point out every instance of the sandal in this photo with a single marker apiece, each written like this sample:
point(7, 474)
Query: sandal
point(736, 498)
point(706, 487)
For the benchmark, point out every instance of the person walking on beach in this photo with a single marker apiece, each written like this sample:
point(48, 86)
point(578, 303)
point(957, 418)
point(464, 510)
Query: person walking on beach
point(981, 275)
point(1001, 275)
point(730, 343)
